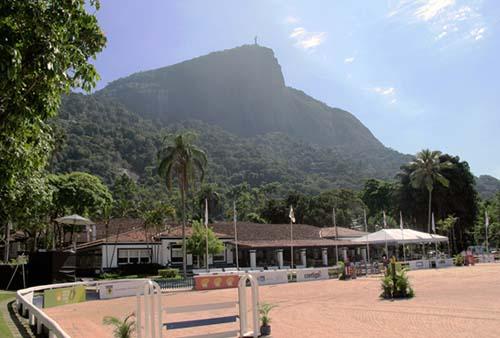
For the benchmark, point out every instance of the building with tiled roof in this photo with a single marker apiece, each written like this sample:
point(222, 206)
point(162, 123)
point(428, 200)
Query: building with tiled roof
point(258, 245)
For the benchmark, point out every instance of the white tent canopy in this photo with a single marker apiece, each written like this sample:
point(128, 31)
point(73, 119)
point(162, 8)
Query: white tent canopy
point(399, 236)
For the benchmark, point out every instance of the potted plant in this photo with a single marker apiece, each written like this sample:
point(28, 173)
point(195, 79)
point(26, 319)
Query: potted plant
point(122, 328)
point(264, 309)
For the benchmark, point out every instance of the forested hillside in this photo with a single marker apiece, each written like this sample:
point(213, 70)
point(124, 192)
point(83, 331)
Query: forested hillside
point(253, 127)
point(99, 135)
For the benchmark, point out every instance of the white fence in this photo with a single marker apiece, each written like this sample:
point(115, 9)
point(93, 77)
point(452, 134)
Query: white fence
point(24, 304)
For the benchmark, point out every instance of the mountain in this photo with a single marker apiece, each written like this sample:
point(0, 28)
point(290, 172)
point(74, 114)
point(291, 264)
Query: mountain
point(487, 186)
point(243, 91)
point(253, 127)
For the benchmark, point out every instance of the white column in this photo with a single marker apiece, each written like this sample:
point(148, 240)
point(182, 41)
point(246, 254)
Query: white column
point(363, 254)
point(253, 259)
point(324, 252)
point(303, 257)
point(344, 253)
point(279, 257)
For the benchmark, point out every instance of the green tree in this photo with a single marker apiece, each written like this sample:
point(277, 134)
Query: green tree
point(425, 172)
point(196, 244)
point(447, 226)
point(125, 197)
point(78, 193)
point(45, 51)
point(377, 195)
point(156, 218)
point(179, 158)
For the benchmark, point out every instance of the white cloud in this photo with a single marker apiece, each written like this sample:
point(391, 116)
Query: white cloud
point(297, 32)
point(292, 19)
point(445, 19)
point(393, 101)
point(432, 8)
point(305, 39)
point(349, 59)
point(384, 90)
point(477, 33)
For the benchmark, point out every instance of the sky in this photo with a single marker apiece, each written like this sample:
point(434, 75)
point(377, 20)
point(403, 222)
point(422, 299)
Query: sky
point(418, 73)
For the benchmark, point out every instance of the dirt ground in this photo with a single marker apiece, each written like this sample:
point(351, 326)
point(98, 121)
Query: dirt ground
point(452, 302)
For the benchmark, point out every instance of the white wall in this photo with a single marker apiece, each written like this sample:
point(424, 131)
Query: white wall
point(113, 259)
point(165, 252)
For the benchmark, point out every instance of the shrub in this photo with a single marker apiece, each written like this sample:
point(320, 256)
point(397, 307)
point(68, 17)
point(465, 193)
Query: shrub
point(169, 273)
point(342, 275)
point(395, 283)
point(458, 260)
point(122, 328)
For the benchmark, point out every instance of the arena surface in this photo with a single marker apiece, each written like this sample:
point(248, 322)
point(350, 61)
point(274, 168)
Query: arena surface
point(452, 302)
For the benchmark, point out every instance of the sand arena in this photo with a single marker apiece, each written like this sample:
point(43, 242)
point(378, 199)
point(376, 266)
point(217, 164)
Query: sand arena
point(452, 302)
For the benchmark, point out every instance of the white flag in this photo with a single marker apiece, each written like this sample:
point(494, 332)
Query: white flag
point(401, 220)
point(486, 220)
point(206, 213)
point(433, 224)
point(291, 215)
point(385, 221)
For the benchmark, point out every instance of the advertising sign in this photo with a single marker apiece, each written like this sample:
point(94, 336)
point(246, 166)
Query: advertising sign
point(119, 289)
point(420, 264)
point(62, 296)
point(443, 263)
point(211, 282)
point(312, 274)
point(271, 277)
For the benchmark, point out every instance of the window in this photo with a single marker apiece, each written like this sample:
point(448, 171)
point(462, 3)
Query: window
point(220, 257)
point(134, 256)
point(176, 253)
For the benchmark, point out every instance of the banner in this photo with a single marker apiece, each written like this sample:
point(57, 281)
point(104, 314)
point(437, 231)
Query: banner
point(119, 289)
point(420, 264)
point(271, 277)
point(311, 274)
point(62, 296)
point(211, 282)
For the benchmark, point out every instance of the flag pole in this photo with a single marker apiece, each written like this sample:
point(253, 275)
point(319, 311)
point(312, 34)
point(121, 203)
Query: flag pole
point(402, 234)
point(367, 243)
point(336, 237)
point(385, 236)
point(432, 235)
point(486, 225)
point(206, 233)
point(236, 235)
point(292, 219)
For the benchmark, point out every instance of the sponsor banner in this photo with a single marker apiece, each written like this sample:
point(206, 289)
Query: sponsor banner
point(119, 289)
point(211, 282)
point(444, 262)
point(62, 296)
point(311, 274)
point(420, 264)
point(271, 277)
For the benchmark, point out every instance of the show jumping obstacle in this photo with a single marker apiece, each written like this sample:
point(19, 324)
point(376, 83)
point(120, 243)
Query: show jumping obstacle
point(149, 322)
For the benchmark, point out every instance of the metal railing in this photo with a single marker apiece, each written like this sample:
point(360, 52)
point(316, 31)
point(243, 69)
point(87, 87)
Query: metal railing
point(175, 284)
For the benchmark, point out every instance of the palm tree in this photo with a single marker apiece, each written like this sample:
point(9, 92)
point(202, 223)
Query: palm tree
point(425, 170)
point(181, 159)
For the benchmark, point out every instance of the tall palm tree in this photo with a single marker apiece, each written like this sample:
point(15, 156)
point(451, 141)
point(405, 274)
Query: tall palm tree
point(425, 171)
point(180, 158)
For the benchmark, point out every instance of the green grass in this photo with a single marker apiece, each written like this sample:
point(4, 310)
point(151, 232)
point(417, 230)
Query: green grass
point(4, 330)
